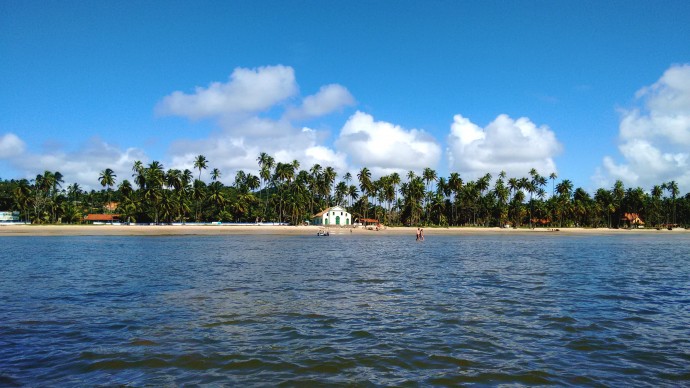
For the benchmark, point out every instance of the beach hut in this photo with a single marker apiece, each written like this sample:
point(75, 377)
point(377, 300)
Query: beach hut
point(335, 215)
point(632, 220)
point(102, 218)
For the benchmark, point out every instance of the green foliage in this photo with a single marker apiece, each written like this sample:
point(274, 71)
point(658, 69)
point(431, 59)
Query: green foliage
point(282, 192)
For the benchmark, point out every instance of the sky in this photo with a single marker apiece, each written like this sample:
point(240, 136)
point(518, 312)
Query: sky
point(592, 91)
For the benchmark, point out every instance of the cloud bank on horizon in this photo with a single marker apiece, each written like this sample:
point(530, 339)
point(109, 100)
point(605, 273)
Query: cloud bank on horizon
point(261, 110)
point(654, 138)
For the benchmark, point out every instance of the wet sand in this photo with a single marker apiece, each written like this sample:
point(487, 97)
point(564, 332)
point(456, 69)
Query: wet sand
point(172, 230)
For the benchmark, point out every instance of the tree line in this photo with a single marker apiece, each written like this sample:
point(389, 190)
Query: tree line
point(285, 192)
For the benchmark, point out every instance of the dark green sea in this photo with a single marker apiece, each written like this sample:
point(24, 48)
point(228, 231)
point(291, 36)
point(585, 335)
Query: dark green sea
point(481, 310)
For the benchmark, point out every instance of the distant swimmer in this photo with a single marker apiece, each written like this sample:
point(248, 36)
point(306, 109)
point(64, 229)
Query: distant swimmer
point(419, 233)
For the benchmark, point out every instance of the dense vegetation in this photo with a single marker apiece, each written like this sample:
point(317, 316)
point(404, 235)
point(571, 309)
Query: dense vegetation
point(285, 193)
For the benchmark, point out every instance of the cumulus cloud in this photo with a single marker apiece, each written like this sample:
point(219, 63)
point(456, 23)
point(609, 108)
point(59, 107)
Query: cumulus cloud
point(238, 107)
point(513, 146)
point(248, 91)
point(82, 165)
point(330, 98)
point(654, 137)
point(382, 146)
point(10, 146)
point(229, 152)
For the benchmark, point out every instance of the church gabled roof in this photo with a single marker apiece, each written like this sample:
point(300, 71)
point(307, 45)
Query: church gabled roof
point(327, 210)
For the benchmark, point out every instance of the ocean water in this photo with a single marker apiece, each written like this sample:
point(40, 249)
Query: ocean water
point(357, 310)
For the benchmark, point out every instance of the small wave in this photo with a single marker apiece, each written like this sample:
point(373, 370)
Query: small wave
point(334, 366)
point(528, 378)
point(361, 334)
point(617, 297)
point(453, 361)
point(142, 342)
point(558, 319)
point(230, 322)
point(594, 344)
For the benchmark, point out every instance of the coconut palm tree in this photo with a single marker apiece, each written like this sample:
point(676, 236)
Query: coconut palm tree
point(107, 179)
point(353, 194)
point(215, 174)
point(429, 175)
point(553, 177)
point(329, 176)
point(284, 174)
point(618, 193)
point(201, 163)
point(657, 192)
point(266, 164)
point(340, 192)
point(564, 190)
point(366, 185)
point(153, 193)
point(198, 195)
point(672, 188)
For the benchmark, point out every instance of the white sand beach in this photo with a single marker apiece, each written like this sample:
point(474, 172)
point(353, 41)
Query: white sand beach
point(170, 230)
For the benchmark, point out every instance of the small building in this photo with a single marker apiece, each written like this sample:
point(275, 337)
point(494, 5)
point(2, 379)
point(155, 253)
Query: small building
point(632, 220)
point(335, 215)
point(9, 216)
point(102, 218)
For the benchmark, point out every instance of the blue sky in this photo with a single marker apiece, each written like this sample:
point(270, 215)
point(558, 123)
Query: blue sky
point(595, 91)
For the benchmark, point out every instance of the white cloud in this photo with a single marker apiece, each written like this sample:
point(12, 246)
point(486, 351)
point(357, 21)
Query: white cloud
point(82, 165)
point(230, 151)
point(655, 137)
point(330, 98)
point(10, 146)
point(248, 91)
point(513, 146)
point(379, 145)
point(237, 107)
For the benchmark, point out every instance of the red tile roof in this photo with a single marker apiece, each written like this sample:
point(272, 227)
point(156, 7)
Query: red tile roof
point(102, 217)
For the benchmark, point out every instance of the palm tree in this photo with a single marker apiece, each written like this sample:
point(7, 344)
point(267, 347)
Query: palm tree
point(564, 190)
point(107, 179)
point(672, 187)
point(201, 163)
point(215, 174)
point(502, 194)
point(284, 174)
point(657, 192)
point(139, 175)
point(455, 185)
point(618, 193)
point(553, 177)
point(316, 170)
point(366, 186)
point(429, 175)
point(153, 193)
point(198, 195)
point(266, 164)
point(353, 194)
point(483, 185)
point(329, 176)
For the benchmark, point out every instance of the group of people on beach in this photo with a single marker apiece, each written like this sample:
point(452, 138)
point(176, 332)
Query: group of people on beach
point(420, 234)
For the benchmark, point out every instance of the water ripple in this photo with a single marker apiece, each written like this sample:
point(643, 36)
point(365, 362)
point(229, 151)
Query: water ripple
point(350, 310)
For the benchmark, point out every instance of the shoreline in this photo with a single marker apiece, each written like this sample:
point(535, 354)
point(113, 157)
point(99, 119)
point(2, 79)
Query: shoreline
point(219, 230)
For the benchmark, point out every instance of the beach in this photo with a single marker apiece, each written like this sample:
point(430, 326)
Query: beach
point(258, 229)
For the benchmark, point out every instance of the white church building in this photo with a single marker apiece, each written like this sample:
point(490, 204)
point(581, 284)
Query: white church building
point(335, 215)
